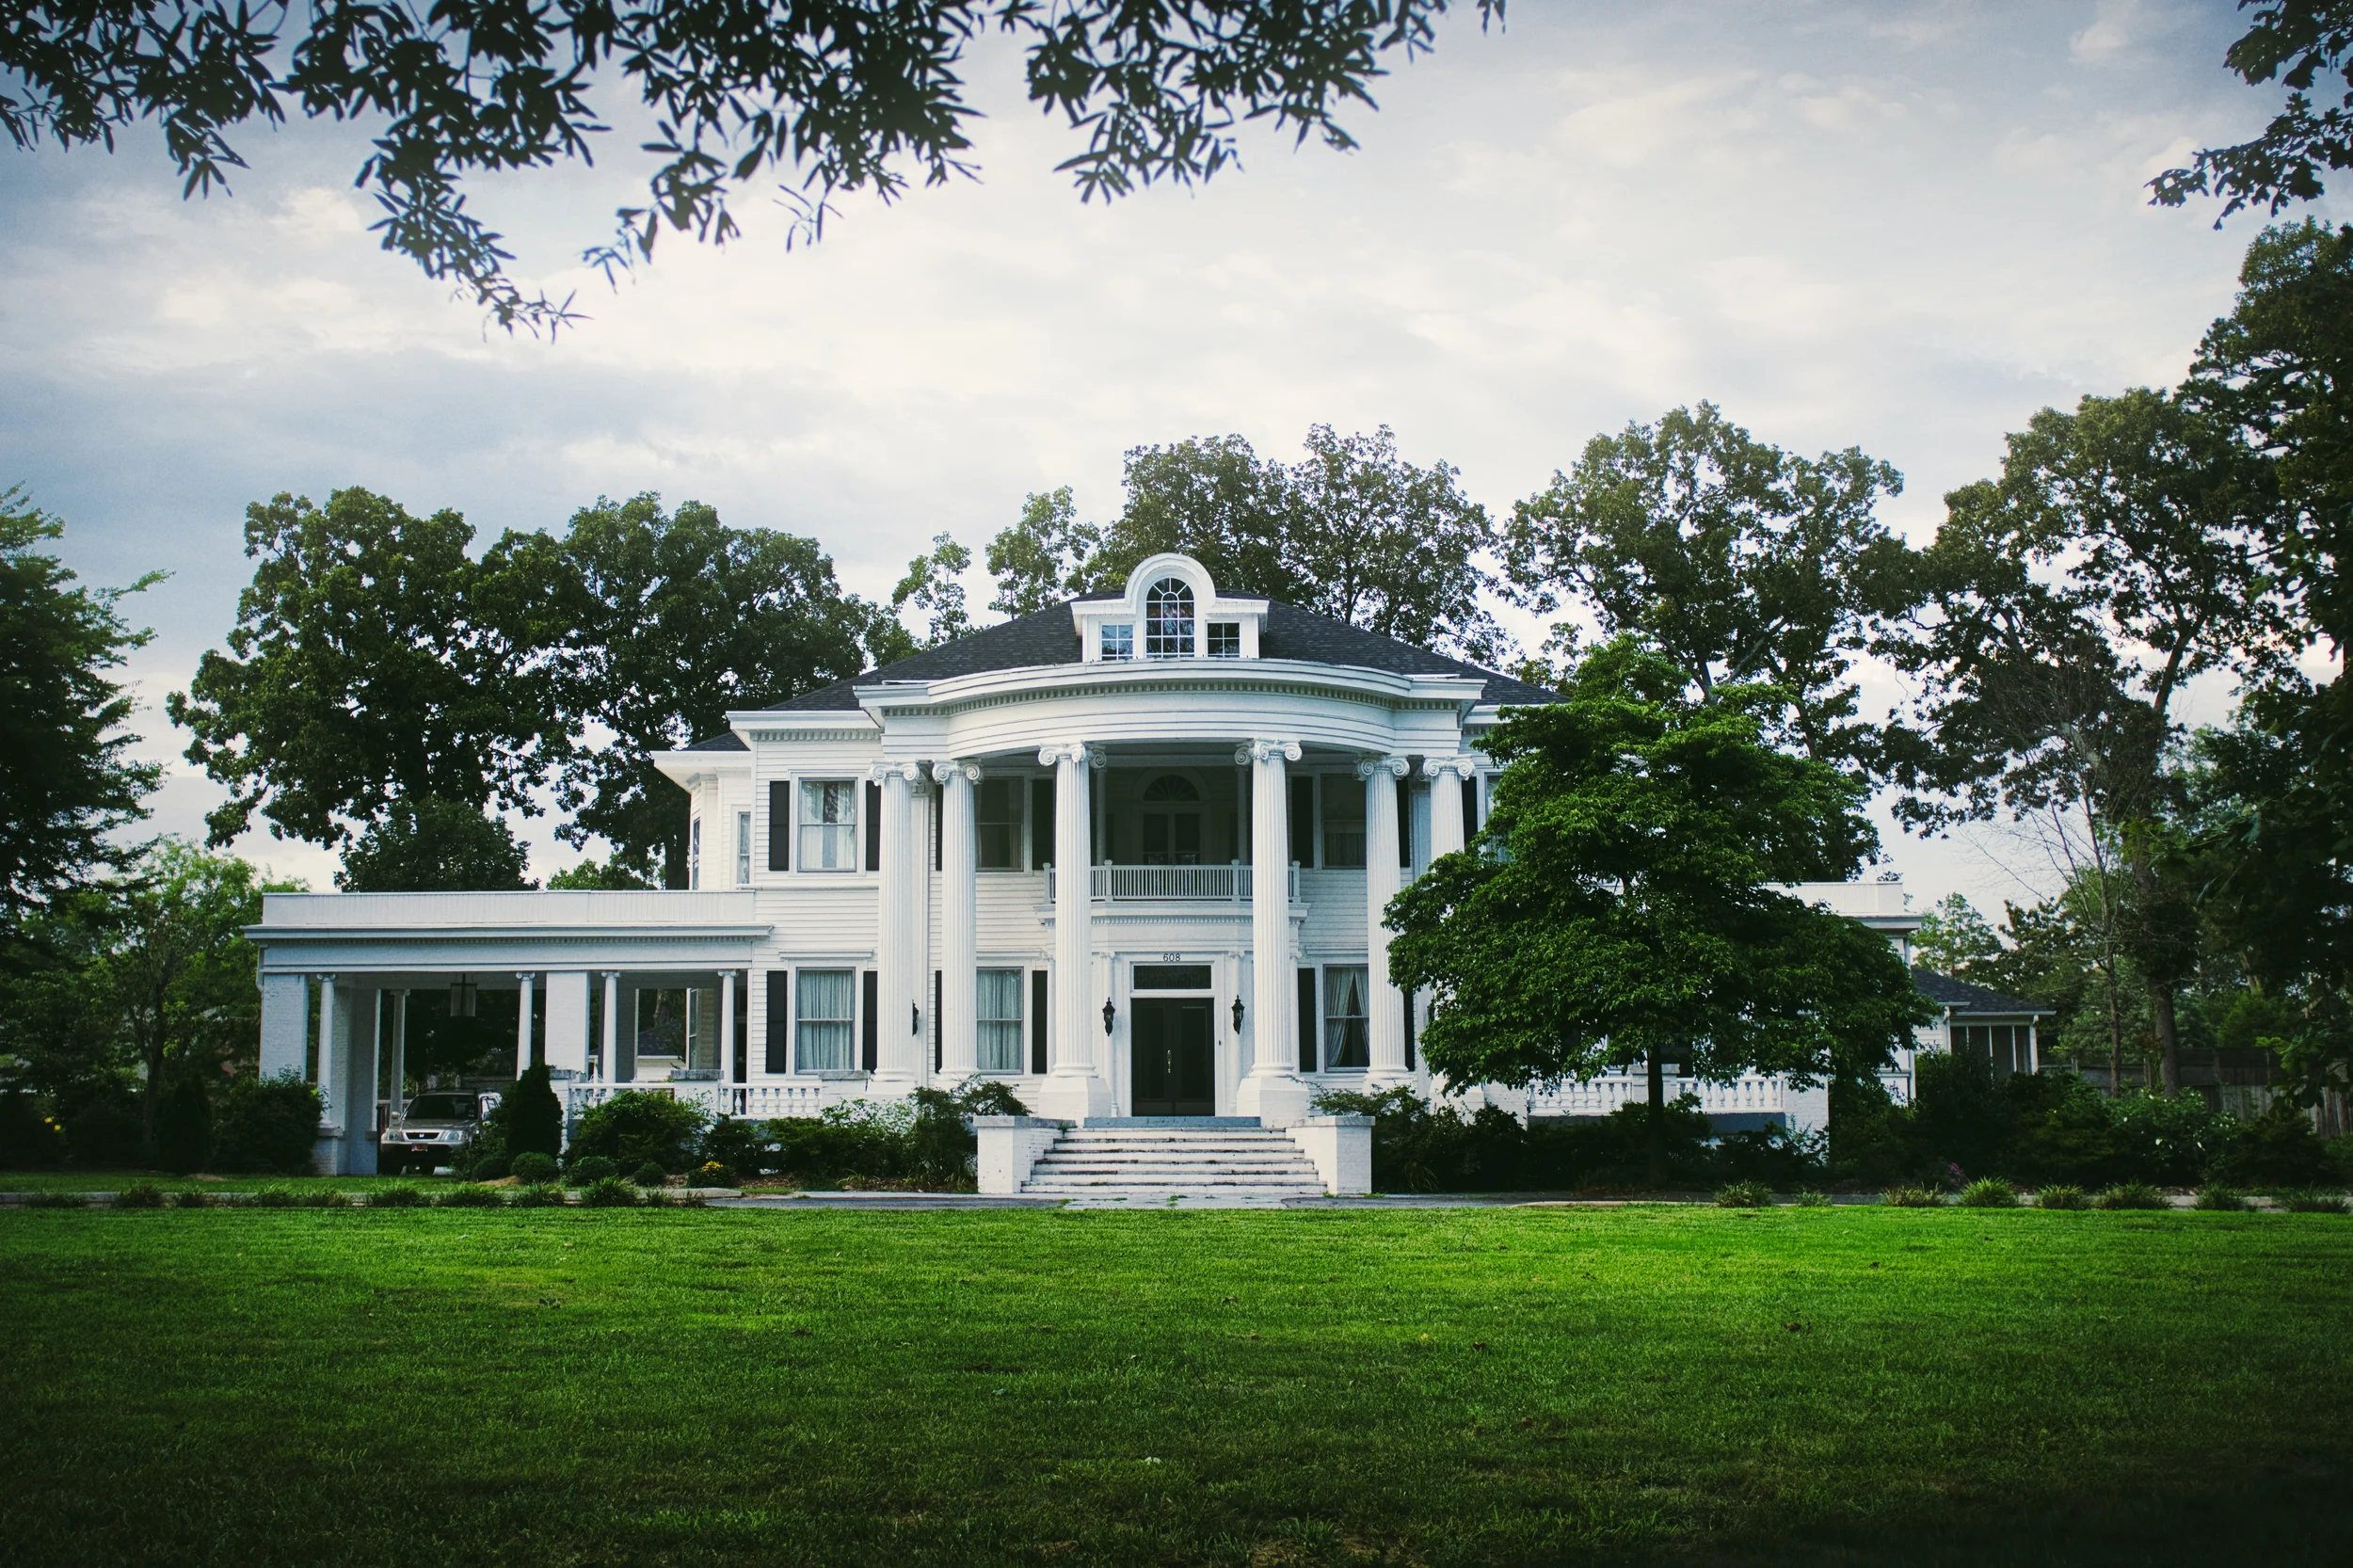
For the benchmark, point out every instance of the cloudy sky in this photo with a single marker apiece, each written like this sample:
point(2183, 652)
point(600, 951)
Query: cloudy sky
point(1899, 224)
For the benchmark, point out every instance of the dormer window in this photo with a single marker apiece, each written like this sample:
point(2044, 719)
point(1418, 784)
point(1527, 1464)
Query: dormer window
point(1168, 620)
point(1224, 639)
point(1119, 640)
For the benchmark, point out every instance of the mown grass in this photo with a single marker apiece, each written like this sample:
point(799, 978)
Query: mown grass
point(1453, 1387)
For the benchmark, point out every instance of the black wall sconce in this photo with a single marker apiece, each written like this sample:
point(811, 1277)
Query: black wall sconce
point(1109, 1013)
point(1238, 1015)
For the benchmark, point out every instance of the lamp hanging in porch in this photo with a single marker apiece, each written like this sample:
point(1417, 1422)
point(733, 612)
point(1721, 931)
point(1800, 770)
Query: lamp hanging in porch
point(461, 998)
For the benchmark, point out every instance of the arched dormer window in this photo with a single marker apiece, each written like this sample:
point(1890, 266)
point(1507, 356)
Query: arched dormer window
point(1168, 620)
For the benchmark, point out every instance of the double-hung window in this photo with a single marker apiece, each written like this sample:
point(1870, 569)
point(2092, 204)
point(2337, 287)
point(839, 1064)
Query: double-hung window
point(996, 816)
point(694, 852)
point(1343, 820)
point(1000, 1020)
point(824, 1008)
point(1347, 1026)
point(1224, 639)
point(829, 825)
point(743, 849)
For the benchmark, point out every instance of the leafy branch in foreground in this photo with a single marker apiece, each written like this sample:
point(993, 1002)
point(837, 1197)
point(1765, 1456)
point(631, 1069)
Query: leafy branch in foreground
point(836, 95)
point(2296, 43)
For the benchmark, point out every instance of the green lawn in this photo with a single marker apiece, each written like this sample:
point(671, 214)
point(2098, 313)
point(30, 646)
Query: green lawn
point(1475, 1385)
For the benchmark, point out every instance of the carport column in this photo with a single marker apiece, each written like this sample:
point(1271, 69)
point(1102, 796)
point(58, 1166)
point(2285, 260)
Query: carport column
point(522, 1026)
point(727, 1026)
point(1446, 776)
point(397, 1077)
point(1272, 1091)
point(286, 1025)
point(1073, 1090)
point(327, 1032)
point(898, 1036)
point(608, 1062)
point(1382, 877)
point(959, 988)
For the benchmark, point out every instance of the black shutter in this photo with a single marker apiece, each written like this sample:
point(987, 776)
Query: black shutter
point(873, 828)
point(1037, 1020)
point(1041, 824)
point(1409, 1030)
point(779, 1020)
point(1470, 809)
point(741, 1047)
point(939, 1042)
point(1405, 826)
point(870, 1056)
point(1307, 1020)
point(940, 806)
point(779, 824)
point(1303, 821)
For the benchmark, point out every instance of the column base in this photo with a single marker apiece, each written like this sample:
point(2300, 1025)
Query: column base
point(1277, 1099)
point(1380, 1080)
point(892, 1085)
point(1074, 1096)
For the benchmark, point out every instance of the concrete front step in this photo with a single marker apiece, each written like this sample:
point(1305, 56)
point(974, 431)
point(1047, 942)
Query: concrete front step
point(1157, 1162)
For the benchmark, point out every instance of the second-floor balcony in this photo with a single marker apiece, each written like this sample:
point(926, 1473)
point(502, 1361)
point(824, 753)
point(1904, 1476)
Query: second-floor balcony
point(1227, 884)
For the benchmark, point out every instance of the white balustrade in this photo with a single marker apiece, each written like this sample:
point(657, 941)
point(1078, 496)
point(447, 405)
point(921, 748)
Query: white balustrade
point(1600, 1096)
point(757, 1102)
point(1227, 884)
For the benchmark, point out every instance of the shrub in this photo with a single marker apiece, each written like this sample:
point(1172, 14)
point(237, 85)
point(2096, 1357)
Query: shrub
point(2277, 1148)
point(711, 1174)
point(595, 1168)
point(101, 1126)
point(274, 1197)
point(635, 1128)
point(470, 1198)
point(2131, 1195)
point(547, 1195)
point(184, 1125)
point(266, 1126)
point(192, 1198)
point(1813, 1197)
point(140, 1195)
point(395, 1197)
point(57, 1200)
point(610, 1192)
point(650, 1175)
point(735, 1143)
point(30, 1138)
point(1743, 1194)
point(533, 1168)
point(1911, 1197)
point(323, 1199)
point(1990, 1192)
point(2061, 1195)
point(532, 1118)
point(2229, 1200)
point(2312, 1203)
point(489, 1167)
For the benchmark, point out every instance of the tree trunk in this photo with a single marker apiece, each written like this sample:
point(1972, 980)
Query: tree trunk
point(2169, 1038)
point(1657, 1120)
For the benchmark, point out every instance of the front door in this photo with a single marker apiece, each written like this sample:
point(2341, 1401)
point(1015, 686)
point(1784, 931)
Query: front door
point(1174, 1060)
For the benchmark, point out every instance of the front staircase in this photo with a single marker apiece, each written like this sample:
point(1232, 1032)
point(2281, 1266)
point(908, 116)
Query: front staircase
point(1156, 1159)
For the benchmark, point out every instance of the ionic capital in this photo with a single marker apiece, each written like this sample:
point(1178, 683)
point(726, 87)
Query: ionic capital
point(1460, 767)
point(911, 771)
point(1074, 752)
point(1265, 751)
point(947, 772)
point(1396, 767)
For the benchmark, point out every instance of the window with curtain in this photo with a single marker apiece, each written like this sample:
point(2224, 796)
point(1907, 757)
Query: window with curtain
point(743, 847)
point(825, 1007)
point(1343, 820)
point(997, 818)
point(1168, 620)
point(1347, 1025)
point(829, 825)
point(1000, 1020)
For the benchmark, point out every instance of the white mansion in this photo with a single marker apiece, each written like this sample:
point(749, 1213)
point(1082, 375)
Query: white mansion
point(1126, 855)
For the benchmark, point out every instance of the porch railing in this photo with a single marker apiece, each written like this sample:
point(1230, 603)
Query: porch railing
point(757, 1102)
point(1229, 883)
point(1599, 1096)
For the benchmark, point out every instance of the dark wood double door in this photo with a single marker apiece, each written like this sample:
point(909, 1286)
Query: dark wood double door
point(1175, 1057)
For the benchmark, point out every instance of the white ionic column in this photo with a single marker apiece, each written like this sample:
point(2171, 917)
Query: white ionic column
point(1381, 774)
point(1273, 1090)
point(898, 1037)
point(1073, 1090)
point(609, 1060)
point(1446, 776)
point(327, 1032)
point(727, 1026)
point(522, 1024)
point(959, 916)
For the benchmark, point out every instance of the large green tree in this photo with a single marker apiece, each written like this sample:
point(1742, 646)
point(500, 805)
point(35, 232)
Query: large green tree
point(65, 783)
point(2121, 554)
point(1351, 531)
point(680, 620)
point(1621, 903)
point(1737, 563)
point(832, 95)
point(2300, 44)
point(375, 659)
point(435, 845)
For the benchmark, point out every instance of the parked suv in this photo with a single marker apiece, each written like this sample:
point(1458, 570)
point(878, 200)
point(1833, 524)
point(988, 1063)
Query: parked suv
point(431, 1130)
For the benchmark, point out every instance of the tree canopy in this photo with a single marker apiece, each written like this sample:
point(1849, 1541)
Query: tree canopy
point(430, 845)
point(1620, 904)
point(833, 95)
point(2300, 44)
point(65, 782)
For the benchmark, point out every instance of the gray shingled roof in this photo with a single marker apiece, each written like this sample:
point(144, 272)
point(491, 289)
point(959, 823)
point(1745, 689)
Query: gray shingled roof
point(1961, 996)
point(1051, 637)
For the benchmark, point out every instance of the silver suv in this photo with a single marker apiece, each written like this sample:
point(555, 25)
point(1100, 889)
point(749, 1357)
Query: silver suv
point(431, 1130)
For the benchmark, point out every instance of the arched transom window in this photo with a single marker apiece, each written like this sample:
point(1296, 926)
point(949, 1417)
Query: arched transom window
point(1168, 620)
